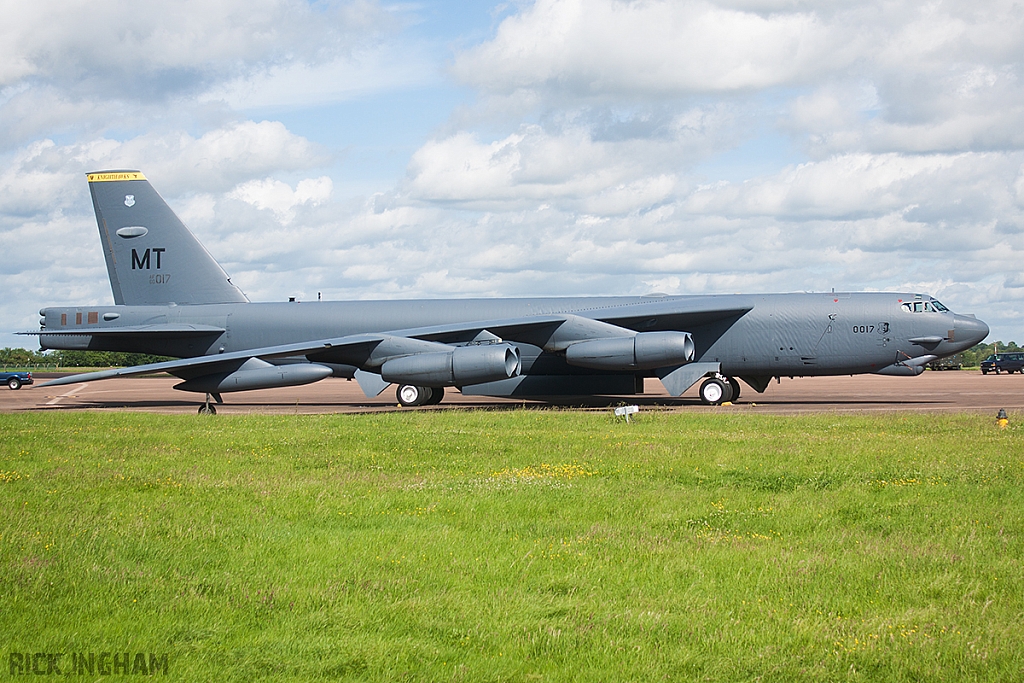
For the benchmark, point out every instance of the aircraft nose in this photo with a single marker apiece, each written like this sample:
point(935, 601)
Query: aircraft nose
point(968, 330)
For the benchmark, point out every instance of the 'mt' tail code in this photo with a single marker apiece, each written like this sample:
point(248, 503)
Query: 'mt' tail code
point(152, 258)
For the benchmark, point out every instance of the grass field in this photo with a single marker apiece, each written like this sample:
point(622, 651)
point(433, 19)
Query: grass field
point(518, 546)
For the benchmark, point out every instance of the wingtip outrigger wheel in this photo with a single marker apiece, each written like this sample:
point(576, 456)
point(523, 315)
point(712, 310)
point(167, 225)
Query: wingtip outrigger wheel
point(208, 408)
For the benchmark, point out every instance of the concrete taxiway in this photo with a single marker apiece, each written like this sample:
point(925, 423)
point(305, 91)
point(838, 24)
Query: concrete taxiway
point(930, 392)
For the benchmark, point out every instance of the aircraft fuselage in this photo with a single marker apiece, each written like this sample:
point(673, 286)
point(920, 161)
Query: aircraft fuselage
point(776, 334)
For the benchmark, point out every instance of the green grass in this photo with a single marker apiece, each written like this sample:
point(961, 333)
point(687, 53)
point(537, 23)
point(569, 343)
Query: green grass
point(518, 546)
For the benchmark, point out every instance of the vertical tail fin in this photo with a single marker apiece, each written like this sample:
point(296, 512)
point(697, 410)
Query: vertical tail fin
point(152, 258)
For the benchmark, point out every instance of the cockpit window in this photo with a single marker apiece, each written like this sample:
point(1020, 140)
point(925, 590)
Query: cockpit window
point(924, 306)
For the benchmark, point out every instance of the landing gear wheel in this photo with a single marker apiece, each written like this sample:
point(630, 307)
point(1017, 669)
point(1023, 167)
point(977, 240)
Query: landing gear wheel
point(410, 395)
point(14, 383)
point(208, 408)
point(734, 383)
point(715, 391)
point(436, 394)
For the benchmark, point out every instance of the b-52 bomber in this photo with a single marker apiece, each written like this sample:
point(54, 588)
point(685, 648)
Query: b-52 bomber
point(172, 298)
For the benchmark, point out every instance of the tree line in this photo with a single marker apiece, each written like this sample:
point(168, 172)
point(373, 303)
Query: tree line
point(23, 358)
point(973, 356)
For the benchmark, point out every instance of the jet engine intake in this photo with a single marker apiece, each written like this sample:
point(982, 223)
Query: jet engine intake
point(461, 366)
point(257, 374)
point(644, 351)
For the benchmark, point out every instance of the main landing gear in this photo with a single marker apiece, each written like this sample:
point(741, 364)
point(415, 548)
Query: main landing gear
point(719, 389)
point(410, 395)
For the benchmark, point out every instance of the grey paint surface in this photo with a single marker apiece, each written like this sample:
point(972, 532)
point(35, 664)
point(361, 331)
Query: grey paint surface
point(177, 301)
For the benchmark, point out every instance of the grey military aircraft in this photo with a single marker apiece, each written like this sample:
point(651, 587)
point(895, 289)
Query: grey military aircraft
point(172, 298)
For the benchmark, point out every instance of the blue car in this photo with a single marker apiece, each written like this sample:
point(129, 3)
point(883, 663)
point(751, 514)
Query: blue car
point(15, 379)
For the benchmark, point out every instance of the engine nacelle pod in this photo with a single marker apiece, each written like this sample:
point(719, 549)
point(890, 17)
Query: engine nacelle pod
point(901, 370)
point(461, 366)
point(643, 351)
point(257, 374)
point(911, 367)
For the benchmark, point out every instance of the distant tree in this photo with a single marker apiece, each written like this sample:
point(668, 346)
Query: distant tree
point(23, 358)
point(104, 359)
point(10, 357)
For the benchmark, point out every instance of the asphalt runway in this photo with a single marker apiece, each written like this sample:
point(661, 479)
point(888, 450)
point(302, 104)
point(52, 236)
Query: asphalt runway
point(932, 391)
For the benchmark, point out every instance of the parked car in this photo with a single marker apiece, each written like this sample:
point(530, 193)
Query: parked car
point(15, 379)
point(949, 363)
point(1003, 362)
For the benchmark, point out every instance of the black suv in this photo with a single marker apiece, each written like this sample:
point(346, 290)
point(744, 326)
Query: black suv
point(1008, 362)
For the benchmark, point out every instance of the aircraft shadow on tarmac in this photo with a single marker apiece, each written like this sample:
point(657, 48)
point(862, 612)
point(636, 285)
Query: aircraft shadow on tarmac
point(591, 402)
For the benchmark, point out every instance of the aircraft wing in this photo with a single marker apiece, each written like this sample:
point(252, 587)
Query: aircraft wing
point(553, 333)
point(527, 330)
point(200, 365)
point(674, 313)
point(359, 350)
point(355, 350)
point(657, 314)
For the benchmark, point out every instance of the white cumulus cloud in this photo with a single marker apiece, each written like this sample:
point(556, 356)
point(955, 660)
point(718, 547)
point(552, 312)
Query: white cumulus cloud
point(139, 51)
point(600, 47)
point(280, 198)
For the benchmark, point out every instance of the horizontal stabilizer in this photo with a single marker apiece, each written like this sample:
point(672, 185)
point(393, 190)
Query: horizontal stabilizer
point(168, 329)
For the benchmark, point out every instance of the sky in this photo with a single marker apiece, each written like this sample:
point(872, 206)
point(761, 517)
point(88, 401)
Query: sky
point(361, 149)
